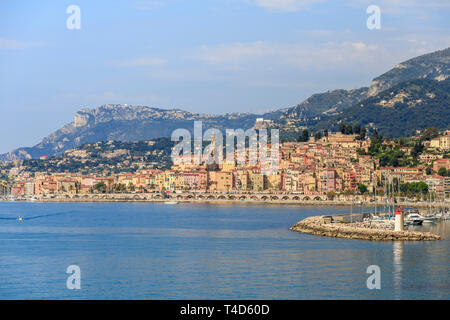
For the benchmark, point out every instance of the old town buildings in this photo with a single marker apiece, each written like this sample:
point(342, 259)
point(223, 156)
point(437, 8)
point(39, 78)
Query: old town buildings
point(335, 164)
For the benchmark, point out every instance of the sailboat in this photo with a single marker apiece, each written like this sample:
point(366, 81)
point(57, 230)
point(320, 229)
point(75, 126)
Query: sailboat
point(430, 217)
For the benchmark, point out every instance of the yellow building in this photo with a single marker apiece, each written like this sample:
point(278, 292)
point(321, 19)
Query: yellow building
point(273, 182)
point(220, 181)
point(242, 180)
point(442, 143)
point(257, 181)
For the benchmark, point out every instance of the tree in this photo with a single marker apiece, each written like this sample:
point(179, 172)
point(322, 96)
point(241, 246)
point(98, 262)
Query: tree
point(304, 136)
point(120, 187)
point(348, 192)
point(430, 133)
point(318, 135)
point(375, 134)
point(77, 187)
point(325, 132)
point(100, 187)
point(401, 141)
point(375, 143)
point(442, 172)
point(348, 129)
point(417, 150)
point(331, 195)
point(414, 188)
point(362, 188)
point(363, 133)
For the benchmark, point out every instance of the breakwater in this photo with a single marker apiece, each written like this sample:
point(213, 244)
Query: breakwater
point(323, 226)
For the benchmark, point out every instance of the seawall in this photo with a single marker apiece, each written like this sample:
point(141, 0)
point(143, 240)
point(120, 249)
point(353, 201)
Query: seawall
point(322, 226)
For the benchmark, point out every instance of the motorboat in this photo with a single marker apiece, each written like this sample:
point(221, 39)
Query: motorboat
point(414, 219)
point(433, 218)
point(430, 220)
point(170, 202)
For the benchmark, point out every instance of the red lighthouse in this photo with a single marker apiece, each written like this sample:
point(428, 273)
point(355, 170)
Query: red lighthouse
point(399, 223)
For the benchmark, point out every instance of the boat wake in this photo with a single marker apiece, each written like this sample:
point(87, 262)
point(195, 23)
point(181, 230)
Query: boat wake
point(21, 218)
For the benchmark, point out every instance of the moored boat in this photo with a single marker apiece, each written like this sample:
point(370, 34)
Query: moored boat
point(414, 219)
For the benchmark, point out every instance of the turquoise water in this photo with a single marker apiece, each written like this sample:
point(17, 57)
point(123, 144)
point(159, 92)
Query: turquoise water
point(201, 251)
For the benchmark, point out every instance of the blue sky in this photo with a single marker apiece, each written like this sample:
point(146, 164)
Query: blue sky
point(212, 56)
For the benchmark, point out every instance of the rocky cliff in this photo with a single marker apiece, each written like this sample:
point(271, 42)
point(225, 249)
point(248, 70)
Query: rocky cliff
point(435, 65)
point(124, 123)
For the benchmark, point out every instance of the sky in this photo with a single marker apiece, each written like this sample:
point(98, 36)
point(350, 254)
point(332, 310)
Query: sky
point(205, 56)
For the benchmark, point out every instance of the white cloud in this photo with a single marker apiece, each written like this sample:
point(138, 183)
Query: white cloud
point(402, 7)
point(234, 53)
point(341, 64)
point(361, 46)
point(140, 62)
point(283, 5)
point(15, 44)
point(291, 55)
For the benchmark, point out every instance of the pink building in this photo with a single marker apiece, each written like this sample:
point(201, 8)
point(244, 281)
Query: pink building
point(196, 180)
point(441, 163)
point(17, 191)
point(328, 181)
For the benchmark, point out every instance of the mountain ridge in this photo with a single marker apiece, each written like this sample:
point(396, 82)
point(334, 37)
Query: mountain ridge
point(134, 123)
point(430, 65)
point(400, 110)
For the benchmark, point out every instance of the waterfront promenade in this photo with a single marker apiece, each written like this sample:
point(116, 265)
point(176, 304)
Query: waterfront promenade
point(272, 198)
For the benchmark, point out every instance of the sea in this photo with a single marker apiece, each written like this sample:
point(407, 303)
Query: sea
point(128, 250)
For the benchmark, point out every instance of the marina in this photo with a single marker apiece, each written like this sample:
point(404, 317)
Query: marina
point(381, 226)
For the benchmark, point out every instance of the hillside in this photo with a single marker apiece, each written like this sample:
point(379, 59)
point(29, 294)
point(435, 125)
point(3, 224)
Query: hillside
point(400, 110)
point(104, 157)
point(435, 65)
point(124, 123)
point(330, 102)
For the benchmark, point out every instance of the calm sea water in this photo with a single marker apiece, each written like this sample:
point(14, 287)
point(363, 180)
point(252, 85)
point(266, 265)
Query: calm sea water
point(201, 251)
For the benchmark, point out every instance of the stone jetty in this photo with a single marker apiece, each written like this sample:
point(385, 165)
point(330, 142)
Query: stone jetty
point(322, 226)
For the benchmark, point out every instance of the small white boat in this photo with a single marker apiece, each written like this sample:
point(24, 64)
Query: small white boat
point(430, 219)
point(170, 202)
point(414, 218)
point(20, 218)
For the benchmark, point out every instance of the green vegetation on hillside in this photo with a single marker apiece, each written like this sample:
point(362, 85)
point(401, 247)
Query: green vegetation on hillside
point(111, 156)
point(401, 110)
